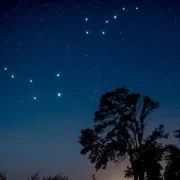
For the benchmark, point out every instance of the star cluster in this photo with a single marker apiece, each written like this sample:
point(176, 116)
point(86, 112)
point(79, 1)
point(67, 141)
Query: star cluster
point(12, 76)
point(107, 21)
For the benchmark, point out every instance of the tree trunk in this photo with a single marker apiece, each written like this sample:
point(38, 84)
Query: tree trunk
point(135, 173)
point(135, 176)
point(141, 176)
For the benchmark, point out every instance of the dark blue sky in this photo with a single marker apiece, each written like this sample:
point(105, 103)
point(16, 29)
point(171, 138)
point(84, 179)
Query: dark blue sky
point(138, 50)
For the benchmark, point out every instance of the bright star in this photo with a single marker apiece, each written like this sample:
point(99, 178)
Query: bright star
point(137, 8)
point(12, 76)
point(58, 75)
point(30, 80)
point(5, 68)
point(115, 17)
point(103, 32)
point(87, 32)
point(59, 94)
point(123, 9)
point(86, 19)
point(107, 22)
point(34, 98)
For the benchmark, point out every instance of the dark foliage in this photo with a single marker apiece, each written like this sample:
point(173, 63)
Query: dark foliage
point(153, 155)
point(172, 169)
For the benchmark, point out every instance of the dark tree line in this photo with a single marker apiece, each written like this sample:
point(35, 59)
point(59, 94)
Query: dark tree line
point(119, 134)
point(36, 176)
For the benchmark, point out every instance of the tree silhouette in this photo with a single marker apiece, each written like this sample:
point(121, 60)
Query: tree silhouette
point(172, 169)
point(118, 133)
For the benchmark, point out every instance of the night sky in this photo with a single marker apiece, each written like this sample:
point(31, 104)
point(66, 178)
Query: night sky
point(56, 60)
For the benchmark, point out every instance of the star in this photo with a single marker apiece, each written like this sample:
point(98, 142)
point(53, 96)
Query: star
point(107, 21)
point(12, 76)
point(123, 8)
point(137, 8)
point(103, 32)
point(59, 94)
point(115, 17)
point(30, 80)
point(86, 19)
point(58, 75)
point(87, 32)
point(5, 68)
point(34, 98)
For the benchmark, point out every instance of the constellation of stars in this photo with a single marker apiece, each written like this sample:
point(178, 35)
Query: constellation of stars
point(31, 82)
point(107, 21)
